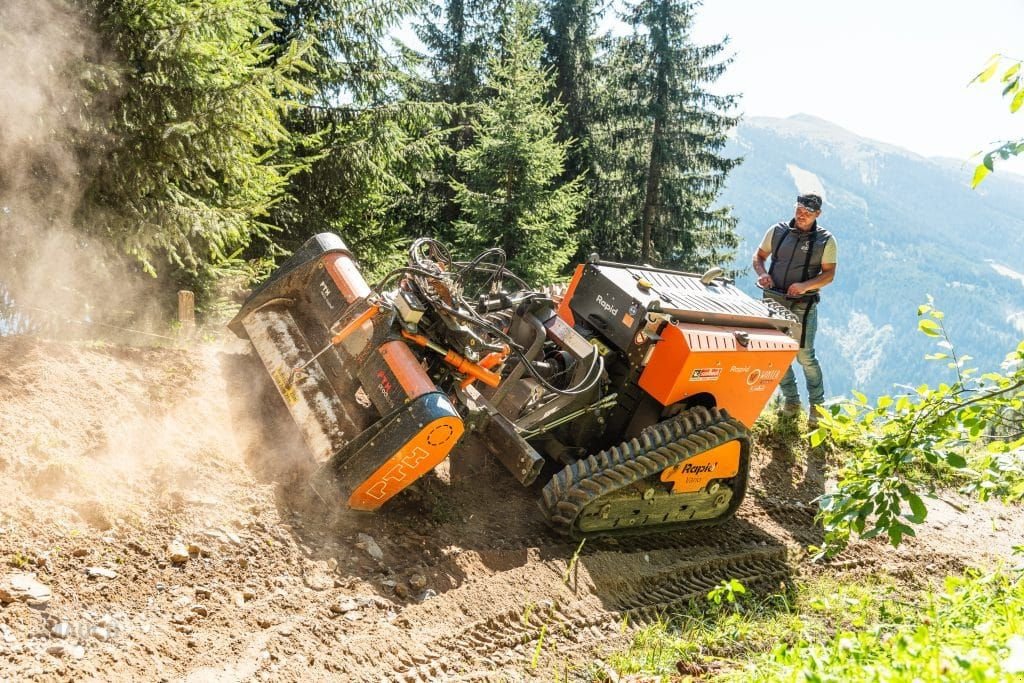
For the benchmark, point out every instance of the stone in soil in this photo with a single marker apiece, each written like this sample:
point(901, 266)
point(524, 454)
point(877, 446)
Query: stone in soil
point(23, 587)
point(177, 552)
point(346, 605)
point(97, 572)
point(367, 543)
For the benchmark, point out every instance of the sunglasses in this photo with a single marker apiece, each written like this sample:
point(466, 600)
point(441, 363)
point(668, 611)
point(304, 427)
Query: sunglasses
point(801, 207)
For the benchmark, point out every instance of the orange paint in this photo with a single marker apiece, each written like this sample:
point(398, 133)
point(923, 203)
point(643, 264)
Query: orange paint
point(346, 276)
point(418, 456)
point(694, 359)
point(488, 362)
point(564, 312)
point(694, 474)
point(354, 324)
point(461, 364)
point(406, 369)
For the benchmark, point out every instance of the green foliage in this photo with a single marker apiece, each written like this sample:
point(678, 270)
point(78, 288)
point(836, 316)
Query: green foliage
point(969, 631)
point(511, 197)
point(361, 149)
point(1012, 82)
point(727, 591)
point(568, 30)
point(461, 39)
point(832, 632)
point(460, 36)
point(973, 426)
point(193, 100)
point(657, 145)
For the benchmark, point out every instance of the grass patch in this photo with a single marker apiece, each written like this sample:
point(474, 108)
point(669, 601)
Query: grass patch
point(972, 629)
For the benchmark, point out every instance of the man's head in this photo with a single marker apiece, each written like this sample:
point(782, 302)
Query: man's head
point(808, 208)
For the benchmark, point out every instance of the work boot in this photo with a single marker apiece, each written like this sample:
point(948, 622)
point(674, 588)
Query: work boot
point(812, 418)
point(790, 410)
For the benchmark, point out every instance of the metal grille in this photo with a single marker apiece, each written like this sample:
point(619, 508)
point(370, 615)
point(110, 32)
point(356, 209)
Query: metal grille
point(688, 293)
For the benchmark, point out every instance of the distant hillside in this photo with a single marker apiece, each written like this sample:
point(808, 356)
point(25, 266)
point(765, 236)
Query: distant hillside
point(906, 226)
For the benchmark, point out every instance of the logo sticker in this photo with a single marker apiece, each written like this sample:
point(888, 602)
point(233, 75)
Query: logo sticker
point(706, 468)
point(325, 292)
point(705, 374)
point(610, 309)
point(758, 379)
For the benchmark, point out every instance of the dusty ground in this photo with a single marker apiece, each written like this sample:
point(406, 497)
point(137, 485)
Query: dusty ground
point(148, 491)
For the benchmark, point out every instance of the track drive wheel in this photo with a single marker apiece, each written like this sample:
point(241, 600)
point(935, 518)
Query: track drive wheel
point(634, 487)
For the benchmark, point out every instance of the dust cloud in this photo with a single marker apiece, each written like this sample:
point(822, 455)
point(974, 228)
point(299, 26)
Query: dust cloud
point(56, 275)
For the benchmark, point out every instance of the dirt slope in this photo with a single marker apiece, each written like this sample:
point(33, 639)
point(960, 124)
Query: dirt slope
point(149, 491)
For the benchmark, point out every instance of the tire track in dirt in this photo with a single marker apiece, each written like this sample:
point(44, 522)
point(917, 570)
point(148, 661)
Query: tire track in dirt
point(561, 601)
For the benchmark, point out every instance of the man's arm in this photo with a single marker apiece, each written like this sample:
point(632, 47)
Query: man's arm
point(763, 278)
point(828, 273)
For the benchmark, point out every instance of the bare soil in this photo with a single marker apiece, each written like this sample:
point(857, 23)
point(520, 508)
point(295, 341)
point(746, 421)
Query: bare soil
point(152, 491)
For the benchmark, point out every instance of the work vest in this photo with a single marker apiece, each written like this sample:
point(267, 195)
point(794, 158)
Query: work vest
point(796, 255)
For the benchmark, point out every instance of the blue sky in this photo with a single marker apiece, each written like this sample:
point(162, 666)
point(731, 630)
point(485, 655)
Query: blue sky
point(895, 71)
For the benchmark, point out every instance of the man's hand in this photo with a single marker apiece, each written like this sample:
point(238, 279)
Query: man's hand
point(796, 289)
point(764, 281)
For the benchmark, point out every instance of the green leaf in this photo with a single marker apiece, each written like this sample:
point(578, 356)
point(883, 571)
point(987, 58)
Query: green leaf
point(917, 507)
point(929, 327)
point(884, 401)
point(1017, 101)
point(987, 161)
point(987, 73)
point(936, 356)
point(1011, 72)
point(861, 398)
point(956, 460)
point(817, 437)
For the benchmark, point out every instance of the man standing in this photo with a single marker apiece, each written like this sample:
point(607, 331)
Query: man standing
point(803, 260)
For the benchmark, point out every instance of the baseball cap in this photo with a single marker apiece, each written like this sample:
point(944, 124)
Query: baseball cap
point(811, 202)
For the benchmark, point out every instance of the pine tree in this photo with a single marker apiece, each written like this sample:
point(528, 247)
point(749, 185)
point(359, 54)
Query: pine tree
point(191, 123)
point(364, 147)
point(460, 37)
point(569, 27)
point(512, 197)
point(658, 167)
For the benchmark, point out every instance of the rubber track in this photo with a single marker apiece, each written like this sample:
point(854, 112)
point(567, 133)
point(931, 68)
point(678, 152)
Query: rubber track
point(508, 639)
point(658, 447)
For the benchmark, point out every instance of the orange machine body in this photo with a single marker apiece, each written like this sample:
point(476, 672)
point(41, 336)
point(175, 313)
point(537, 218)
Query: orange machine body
point(738, 368)
point(420, 454)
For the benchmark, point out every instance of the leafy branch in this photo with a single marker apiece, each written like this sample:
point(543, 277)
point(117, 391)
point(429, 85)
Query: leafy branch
point(902, 446)
point(1013, 88)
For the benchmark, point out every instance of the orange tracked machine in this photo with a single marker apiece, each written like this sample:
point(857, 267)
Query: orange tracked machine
point(625, 402)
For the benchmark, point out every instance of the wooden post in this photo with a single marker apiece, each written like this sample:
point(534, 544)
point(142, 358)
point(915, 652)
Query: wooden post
point(187, 313)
